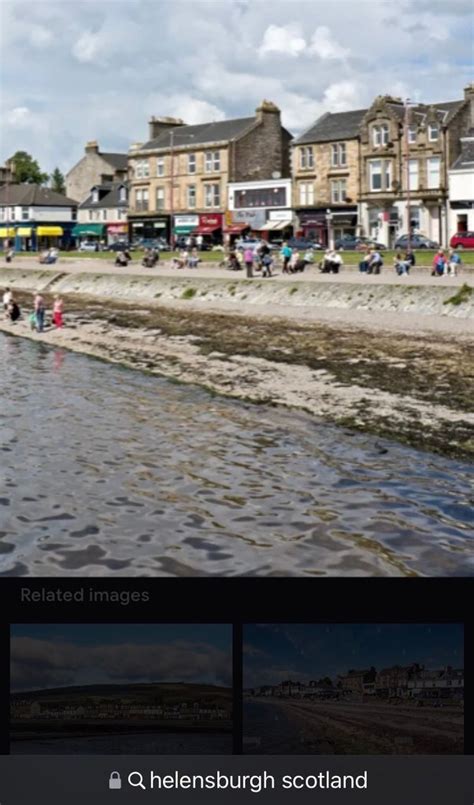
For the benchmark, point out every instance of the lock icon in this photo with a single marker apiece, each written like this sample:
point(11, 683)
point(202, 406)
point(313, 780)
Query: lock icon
point(115, 782)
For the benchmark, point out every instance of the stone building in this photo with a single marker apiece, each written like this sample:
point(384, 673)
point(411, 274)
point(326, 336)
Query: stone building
point(179, 178)
point(326, 176)
point(103, 215)
point(6, 173)
point(95, 168)
point(461, 188)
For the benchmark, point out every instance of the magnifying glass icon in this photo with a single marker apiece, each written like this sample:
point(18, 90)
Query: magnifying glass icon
point(139, 782)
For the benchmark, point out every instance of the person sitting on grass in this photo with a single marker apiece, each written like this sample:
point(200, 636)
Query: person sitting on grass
point(122, 259)
point(180, 261)
point(193, 259)
point(440, 264)
point(454, 263)
point(402, 267)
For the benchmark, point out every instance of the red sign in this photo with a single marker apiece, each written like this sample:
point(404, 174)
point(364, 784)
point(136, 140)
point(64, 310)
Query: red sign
point(208, 224)
point(117, 229)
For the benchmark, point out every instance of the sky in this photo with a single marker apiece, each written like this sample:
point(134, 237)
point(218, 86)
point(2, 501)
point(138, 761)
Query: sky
point(273, 653)
point(48, 656)
point(78, 70)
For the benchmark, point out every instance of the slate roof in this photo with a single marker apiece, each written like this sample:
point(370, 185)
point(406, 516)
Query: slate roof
point(466, 157)
point(33, 195)
point(109, 196)
point(337, 126)
point(219, 131)
point(118, 161)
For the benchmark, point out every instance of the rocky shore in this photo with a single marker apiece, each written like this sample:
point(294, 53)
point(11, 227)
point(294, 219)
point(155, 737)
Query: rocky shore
point(373, 373)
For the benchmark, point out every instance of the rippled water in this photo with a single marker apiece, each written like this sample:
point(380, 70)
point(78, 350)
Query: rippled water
point(106, 471)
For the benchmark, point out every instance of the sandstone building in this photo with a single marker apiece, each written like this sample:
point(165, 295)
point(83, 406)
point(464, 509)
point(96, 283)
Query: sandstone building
point(95, 168)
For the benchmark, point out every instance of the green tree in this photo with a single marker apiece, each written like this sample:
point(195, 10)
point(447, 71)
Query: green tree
point(57, 181)
point(26, 169)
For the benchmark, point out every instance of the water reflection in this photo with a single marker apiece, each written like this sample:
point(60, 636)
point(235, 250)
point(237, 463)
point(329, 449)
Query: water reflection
point(105, 471)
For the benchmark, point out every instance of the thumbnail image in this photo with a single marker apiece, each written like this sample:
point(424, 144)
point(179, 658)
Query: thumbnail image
point(121, 689)
point(360, 689)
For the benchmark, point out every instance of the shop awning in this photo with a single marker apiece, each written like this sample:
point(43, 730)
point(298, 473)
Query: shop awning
point(273, 225)
point(49, 231)
point(24, 231)
point(91, 230)
point(236, 229)
point(7, 232)
point(184, 230)
point(206, 229)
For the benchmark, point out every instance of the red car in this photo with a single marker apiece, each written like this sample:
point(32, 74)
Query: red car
point(462, 240)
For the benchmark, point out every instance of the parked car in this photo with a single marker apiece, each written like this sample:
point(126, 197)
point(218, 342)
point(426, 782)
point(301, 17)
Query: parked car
point(303, 244)
point(180, 243)
point(462, 240)
point(152, 243)
point(353, 243)
point(416, 242)
point(89, 246)
point(119, 246)
point(254, 243)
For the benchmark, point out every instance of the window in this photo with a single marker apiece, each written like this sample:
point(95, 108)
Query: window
point(212, 195)
point(380, 135)
point(25, 213)
point(433, 132)
point(338, 155)
point(142, 169)
point(212, 161)
point(12, 214)
point(141, 200)
point(338, 191)
point(95, 196)
point(415, 218)
point(104, 215)
point(306, 157)
point(306, 193)
point(191, 163)
point(122, 214)
point(260, 197)
point(160, 166)
point(2, 213)
point(123, 194)
point(433, 170)
point(160, 198)
point(380, 175)
point(90, 215)
point(191, 196)
point(413, 174)
point(412, 134)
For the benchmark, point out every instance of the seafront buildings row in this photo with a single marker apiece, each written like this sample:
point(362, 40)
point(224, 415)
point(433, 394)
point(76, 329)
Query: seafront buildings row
point(411, 681)
point(369, 172)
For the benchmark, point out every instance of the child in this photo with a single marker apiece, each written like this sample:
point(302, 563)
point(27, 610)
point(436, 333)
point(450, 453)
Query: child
point(58, 307)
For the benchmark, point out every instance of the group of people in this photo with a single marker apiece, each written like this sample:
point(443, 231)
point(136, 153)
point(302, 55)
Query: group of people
point(331, 262)
point(123, 258)
point(38, 314)
point(446, 265)
point(372, 262)
point(48, 256)
point(150, 258)
point(187, 259)
point(293, 260)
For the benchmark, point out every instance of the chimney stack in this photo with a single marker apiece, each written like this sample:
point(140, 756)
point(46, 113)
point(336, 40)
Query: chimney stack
point(469, 96)
point(157, 125)
point(92, 147)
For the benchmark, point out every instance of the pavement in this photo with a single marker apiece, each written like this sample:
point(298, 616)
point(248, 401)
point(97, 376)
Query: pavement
point(350, 274)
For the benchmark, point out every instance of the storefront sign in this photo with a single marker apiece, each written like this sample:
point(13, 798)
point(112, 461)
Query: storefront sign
point(280, 215)
point(117, 229)
point(312, 218)
point(253, 218)
point(186, 221)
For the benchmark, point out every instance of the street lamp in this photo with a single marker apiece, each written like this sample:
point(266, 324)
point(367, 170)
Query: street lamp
point(406, 127)
point(329, 227)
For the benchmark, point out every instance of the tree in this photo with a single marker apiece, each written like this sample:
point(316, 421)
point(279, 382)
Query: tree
point(57, 181)
point(26, 169)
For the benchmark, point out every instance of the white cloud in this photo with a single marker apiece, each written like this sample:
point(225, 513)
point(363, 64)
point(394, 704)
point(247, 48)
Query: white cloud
point(343, 96)
point(285, 40)
point(87, 49)
point(39, 36)
point(324, 46)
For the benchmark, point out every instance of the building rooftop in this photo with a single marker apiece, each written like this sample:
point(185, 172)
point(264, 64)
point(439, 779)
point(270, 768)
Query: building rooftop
point(109, 196)
point(337, 126)
point(466, 157)
point(118, 161)
point(218, 131)
point(33, 195)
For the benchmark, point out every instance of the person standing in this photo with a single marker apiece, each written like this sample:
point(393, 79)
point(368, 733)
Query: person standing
point(39, 311)
point(7, 298)
point(248, 260)
point(286, 253)
point(58, 309)
point(199, 242)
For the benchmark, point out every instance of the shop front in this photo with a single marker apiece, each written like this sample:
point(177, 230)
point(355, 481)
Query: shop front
point(152, 228)
point(324, 224)
point(116, 233)
point(210, 227)
point(279, 225)
point(184, 226)
point(89, 233)
point(36, 237)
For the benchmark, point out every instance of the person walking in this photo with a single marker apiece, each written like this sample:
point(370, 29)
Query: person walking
point(286, 253)
point(248, 260)
point(58, 309)
point(9, 255)
point(39, 311)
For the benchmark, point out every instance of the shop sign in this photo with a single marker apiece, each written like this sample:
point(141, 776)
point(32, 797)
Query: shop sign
point(280, 215)
point(186, 220)
point(210, 221)
point(117, 229)
point(253, 218)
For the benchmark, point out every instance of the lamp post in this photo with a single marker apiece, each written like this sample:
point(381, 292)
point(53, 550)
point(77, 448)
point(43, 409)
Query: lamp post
point(330, 229)
point(172, 238)
point(406, 127)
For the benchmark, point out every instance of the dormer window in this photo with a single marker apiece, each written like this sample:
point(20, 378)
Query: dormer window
point(123, 195)
point(380, 135)
point(412, 134)
point(433, 132)
point(95, 196)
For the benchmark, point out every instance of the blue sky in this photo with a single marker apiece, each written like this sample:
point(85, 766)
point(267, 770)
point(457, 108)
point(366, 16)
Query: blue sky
point(75, 70)
point(45, 656)
point(276, 652)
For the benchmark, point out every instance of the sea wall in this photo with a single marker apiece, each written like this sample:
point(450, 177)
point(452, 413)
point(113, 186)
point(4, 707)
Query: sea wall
point(414, 299)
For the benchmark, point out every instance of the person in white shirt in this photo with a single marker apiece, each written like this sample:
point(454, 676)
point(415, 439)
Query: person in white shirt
point(7, 298)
